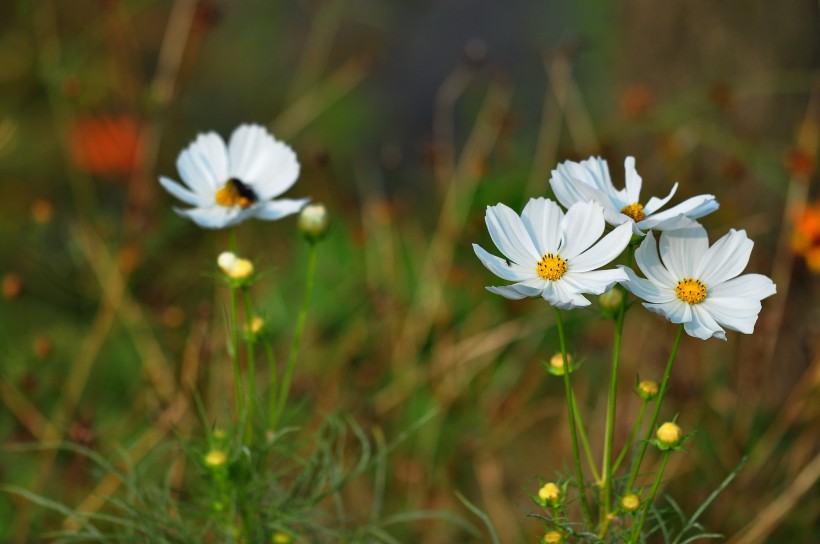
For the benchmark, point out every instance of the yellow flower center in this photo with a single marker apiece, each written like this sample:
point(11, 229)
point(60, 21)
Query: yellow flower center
point(551, 266)
point(235, 193)
point(690, 290)
point(635, 211)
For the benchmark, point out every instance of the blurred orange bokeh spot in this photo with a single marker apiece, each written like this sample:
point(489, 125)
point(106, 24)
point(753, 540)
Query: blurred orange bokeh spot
point(806, 238)
point(105, 146)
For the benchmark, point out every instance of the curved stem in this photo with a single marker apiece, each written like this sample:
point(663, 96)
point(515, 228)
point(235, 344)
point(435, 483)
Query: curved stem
point(638, 527)
point(297, 337)
point(579, 475)
point(633, 475)
point(233, 327)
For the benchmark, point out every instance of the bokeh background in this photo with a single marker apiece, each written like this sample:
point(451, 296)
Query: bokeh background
point(409, 118)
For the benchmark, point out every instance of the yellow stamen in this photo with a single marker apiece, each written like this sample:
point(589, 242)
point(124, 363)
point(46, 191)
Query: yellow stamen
point(635, 211)
point(690, 290)
point(551, 266)
point(234, 193)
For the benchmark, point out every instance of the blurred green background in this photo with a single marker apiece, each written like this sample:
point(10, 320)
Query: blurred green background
point(409, 118)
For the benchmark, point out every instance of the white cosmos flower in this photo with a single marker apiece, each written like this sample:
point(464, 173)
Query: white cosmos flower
point(550, 254)
point(226, 185)
point(589, 180)
point(698, 285)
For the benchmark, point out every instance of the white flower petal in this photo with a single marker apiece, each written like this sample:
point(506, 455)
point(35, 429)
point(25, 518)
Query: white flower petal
point(246, 151)
point(682, 249)
point(676, 311)
point(633, 181)
point(502, 268)
point(658, 223)
point(195, 169)
point(276, 173)
point(603, 252)
point(595, 282)
point(507, 291)
point(726, 258)
point(557, 294)
point(215, 217)
point(542, 219)
point(183, 194)
point(737, 314)
point(749, 286)
point(582, 226)
point(650, 264)
point(703, 326)
point(654, 204)
point(276, 209)
point(574, 182)
point(647, 290)
point(212, 146)
point(510, 236)
point(693, 208)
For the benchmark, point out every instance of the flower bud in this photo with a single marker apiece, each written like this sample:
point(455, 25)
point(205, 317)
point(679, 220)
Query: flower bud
point(313, 221)
point(648, 390)
point(669, 435)
point(553, 537)
point(556, 366)
point(631, 502)
point(280, 538)
point(549, 495)
point(612, 299)
point(226, 260)
point(215, 458)
point(234, 267)
point(256, 325)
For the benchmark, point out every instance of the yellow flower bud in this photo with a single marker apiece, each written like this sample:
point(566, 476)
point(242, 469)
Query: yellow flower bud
point(280, 538)
point(216, 458)
point(235, 267)
point(549, 494)
point(255, 326)
point(630, 502)
point(669, 434)
point(226, 260)
point(553, 537)
point(648, 389)
point(557, 363)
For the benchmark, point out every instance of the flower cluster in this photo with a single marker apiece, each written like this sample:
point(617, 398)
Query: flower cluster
point(556, 255)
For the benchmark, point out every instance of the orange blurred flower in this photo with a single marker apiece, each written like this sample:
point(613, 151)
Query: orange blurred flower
point(800, 164)
point(103, 145)
point(636, 101)
point(806, 236)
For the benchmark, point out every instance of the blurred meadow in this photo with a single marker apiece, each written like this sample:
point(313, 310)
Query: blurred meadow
point(408, 118)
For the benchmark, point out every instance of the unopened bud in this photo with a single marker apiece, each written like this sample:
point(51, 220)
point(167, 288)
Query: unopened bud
point(281, 538)
point(549, 494)
point(631, 502)
point(612, 299)
point(235, 267)
point(255, 326)
point(669, 435)
point(313, 221)
point(557, 363)
point(648, 389)
point(215, 458)
point(553, 537)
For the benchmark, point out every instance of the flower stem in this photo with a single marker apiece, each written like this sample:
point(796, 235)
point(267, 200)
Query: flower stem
point(632, 435)
point(633, 475)
point(636, 529)
point(579, 475)
point(233, 327)
point(609, 433)
point(297, 337)
point(273, 385)
point(584, 442)
point(250, 354)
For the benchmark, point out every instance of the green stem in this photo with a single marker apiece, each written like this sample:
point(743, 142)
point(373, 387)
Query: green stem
point(273, 385)
point(609, 433)
point(632, 435)
point(584, 442)
point(297, 337)
point(250, 355)
point(234, 332)
point(579, 475)
point(633, 475)
point(638, 527)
